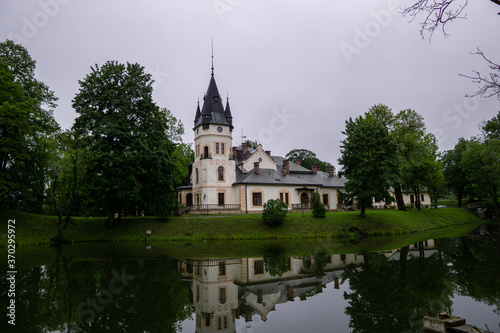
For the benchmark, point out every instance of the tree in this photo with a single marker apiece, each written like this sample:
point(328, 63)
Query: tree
point(129, 165)
point(453, 169)
point(318, 209)
point(274, 212)
point(368, 160)
point(308, 159)
point(437, 13)
point(26, 123)
point(252, 144)
point(489, 85)
point(481, 161)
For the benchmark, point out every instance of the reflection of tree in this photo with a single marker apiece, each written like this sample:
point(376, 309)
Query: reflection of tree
point(476, 264)
point(155, 300)
point(276, 262)
point(391, 296)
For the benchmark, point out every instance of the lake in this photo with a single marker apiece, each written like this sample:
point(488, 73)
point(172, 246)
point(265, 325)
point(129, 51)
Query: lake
point(317, 285)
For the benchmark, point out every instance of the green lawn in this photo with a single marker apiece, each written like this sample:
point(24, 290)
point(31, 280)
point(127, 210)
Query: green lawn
point(38, 229)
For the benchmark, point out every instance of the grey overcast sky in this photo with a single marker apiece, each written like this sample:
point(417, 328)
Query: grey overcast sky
point(294, 70)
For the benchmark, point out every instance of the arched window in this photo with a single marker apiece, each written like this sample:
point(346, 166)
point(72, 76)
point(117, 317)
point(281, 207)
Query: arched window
point(205, 151)
point(304, 198)
point(220, 173)
point(197, 176)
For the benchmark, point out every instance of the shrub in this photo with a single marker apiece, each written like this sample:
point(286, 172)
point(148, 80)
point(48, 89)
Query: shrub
point(318, 209)
point(274, 212)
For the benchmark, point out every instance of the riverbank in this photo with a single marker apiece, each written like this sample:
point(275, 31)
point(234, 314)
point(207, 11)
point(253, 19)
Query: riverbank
point(38, 229)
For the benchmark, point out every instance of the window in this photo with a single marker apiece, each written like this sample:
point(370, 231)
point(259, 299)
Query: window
point(205, 151)
point(180, 197)
point(197, 175)
point(220, 173)
point(304, 198)
point(222, 148)
point(225, 321)
point(219, 323)
point(216, 147)
point(325, 199)
point(221, 199)
point(222, 268)
point(207, 320)
point(197, 294)
point(422, 197)
point(286, 199)
point(281, 197)
point(412, 198)
point(222, 295)
point(258, 267)
point(257, 199)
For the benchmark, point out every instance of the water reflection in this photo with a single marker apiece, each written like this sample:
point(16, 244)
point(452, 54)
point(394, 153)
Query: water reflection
point(387, 291)
point(227, 289)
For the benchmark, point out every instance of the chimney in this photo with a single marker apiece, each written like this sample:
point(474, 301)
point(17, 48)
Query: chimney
point(289, 293)
point(336, 283)
point(330, 171)
point(298, 161)
point(314, 169)
point(259, 296)
point(244, 147)
point(268, 152)
point(256, 168)
point(235, 153)
point(319, 287)
point(286, 167)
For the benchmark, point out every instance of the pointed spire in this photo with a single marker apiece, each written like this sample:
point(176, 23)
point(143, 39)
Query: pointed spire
point(212, 56)
point(198, 113)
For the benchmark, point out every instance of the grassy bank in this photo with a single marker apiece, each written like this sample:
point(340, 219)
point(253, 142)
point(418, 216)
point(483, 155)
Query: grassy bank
point(38, 229)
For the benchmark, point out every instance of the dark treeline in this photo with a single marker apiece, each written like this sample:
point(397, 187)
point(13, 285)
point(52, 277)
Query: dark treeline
point(123, 155)
point(387, 153)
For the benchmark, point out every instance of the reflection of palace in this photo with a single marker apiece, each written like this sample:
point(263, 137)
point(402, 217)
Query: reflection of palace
point(225, 289)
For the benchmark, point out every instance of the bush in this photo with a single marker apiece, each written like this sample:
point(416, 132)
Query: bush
point(318, 209)
point(274, 212)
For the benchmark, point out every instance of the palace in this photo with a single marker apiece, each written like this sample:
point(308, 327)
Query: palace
point(236, 179)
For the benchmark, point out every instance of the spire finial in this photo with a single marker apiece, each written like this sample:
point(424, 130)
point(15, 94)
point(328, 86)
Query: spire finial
point(212, 56)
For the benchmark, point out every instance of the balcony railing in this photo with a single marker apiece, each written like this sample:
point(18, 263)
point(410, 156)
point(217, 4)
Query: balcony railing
point(203, 155)
point(306, 205)
point(214, 207)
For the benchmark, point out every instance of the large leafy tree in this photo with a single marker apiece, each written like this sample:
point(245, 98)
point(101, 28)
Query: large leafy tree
point(26, 123)
point(129, 166)
point(368, 160)
point(308, 159)
point(453, 169)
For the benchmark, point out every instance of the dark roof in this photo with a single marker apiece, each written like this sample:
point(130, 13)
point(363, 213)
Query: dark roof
point(269, 177)
point(275, 177)
point(294, 168)
point(212, 111)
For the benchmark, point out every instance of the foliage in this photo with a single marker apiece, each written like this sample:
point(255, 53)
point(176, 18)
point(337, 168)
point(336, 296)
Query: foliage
point(276, 262)
point(274, 212)
point(424, 281)
point(130, 166)
point(308, 159)
point(252, 144)
point(368, 160)
point(318, 209)
point(26, 123)
point(453, 169)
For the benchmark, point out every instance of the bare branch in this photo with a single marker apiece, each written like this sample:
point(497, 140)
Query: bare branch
point(489, 85)
point(438, 12)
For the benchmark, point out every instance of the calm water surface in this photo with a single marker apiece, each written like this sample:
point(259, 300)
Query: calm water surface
point(319, 291)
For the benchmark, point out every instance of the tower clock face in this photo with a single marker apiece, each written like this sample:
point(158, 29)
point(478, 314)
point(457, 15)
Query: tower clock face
point(219, 129)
